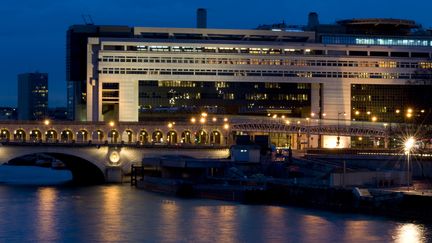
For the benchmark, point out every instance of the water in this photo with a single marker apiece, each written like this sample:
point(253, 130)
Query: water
point(119, 213)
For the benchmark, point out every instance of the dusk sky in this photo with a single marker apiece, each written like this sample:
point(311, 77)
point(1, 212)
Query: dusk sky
point(33, 33)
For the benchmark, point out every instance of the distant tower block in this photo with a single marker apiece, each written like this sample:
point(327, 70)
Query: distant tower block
point(313, 20)
point(201, 18)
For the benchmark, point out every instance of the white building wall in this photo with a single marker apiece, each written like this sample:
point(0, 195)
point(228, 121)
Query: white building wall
point(336, 93)
point(128, 100)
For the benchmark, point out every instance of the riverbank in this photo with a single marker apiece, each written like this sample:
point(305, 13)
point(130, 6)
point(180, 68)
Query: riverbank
point(406, 205)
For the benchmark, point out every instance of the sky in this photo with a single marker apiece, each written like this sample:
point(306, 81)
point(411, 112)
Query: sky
point(33, 33)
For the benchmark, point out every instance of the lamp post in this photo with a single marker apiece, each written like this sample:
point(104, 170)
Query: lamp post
point(320, 136)
point(360, 138)
point(308, 132)
point(338, 137)
point(375, 143)
point(408, 145)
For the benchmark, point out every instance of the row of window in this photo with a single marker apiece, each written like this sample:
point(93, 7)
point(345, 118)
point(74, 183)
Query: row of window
point(217, 85)
point(228, 96)
point(277, 62)
point(266, 73)
point(164, 48)
point(376, 41)
point(282, 51)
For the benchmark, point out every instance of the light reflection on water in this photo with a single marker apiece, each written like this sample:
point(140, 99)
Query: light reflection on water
point(46, 213)
point(169, 220)
point(407, 233)
point(111, 213)
point(124, 214)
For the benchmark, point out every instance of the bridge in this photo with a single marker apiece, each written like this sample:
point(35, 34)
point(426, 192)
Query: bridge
point(104, 151)
point(91, 163)
point(217, 132)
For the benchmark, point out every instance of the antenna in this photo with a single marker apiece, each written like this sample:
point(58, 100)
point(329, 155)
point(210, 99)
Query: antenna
point(87, 19)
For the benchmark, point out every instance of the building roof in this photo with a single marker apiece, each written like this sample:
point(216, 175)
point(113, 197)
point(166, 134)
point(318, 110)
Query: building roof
point(401, 23)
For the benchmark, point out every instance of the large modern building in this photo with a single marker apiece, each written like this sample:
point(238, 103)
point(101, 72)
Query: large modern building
point(363, 69)
point(32, 96)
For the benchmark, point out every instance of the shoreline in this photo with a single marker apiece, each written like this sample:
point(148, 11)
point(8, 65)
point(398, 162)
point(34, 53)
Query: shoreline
point(392, 204)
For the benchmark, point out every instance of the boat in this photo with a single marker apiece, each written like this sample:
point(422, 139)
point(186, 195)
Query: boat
point(57, 164)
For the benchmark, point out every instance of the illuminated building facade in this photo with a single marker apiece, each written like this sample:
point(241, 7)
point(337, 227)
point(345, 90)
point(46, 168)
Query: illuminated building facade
point(352, 67)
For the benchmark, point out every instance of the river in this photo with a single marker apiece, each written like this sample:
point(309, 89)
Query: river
point(120, 213)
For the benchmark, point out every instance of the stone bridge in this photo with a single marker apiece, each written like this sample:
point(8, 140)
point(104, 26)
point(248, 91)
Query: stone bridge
point(103, 163)
point(215, 131)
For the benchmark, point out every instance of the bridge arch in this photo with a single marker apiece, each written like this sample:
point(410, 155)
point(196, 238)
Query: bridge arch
point(171, 137)
point(66, 136)
point(157, 136)
point(215, 137)
point(113, 136)
point(85, 163)
point(35, 135)
point(51, 136)
point(4, 134)
point(128, 136)
point(82, 136)
point(143, 137)
point(98, 136)
point(19, 135)
point(201, 137)
point(186, 137)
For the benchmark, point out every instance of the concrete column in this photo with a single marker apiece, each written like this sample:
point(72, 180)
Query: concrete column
point(113, 175)
point(336, 101)
point(92, 81)
point(315, 99)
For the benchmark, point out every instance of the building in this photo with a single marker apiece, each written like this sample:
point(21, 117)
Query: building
point(76, 63)
point(357, 69)
point(32, 96)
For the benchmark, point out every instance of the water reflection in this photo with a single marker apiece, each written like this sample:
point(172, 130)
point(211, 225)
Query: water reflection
point(120, 214)
point(410, 233)
point(46, 213)
point(226, 223)
point(273, 222)
point(111, 214)
point(361, 231)
point(314, 228)
point(214, 223)
point(169, 219)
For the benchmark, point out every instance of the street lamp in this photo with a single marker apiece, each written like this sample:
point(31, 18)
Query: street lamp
point(338, 137)
point(308, 132)
point(408, 146)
